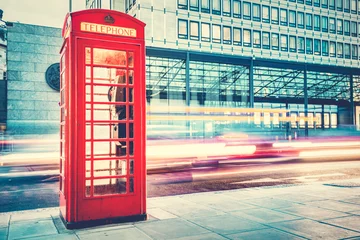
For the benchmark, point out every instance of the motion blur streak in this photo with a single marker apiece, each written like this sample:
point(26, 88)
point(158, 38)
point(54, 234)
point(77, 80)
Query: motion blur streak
point(292, 144)
point(331, 153)
point(315, 145)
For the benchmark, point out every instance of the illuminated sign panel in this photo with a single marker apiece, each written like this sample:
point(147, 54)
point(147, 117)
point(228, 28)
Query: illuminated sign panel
point(106, 29)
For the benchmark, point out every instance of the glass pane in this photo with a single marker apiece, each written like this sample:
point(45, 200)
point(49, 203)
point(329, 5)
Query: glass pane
point(131, 185)
point(103, 131)
point(131, 59)
point(88, 169)
point(109, 57)
point(131, 166)
point(131, 112)
point(131, 130)
point(109, 168)
point(88, 55)
point(131, 148)
point(88, 188)
point(131, 76)
point(109, 186)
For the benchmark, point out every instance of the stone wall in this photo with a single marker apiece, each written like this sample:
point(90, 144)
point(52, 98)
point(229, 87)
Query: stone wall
point(32, 105)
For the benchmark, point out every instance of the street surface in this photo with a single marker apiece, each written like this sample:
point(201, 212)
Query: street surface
point(41, 190)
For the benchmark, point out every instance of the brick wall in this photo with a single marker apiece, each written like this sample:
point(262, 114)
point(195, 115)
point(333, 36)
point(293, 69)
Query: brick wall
point(32, 104)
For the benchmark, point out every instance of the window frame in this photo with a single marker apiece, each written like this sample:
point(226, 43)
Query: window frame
point(291, 49)
point(317, 42)
point(228, 41)
point(309, 48)
point(339, 7)
point(183, 6)
point(292, 23)
point(256, 45)
point(204, 9)
point(308, 2)
point(339, 45)
point(346, 27)
point(356, 55)
point(347, 54)
point(205, 39)
point(256, 18)
point(301, 49)
point(278, 41)
point(286, 48)
point(237, 43)
point(226, 13)
point(283, 23)
point(332, 4)
point(195, 38)
point(332, 54)
point(353, 10)
point(347, 6)
point(216, 11)
point(341, 32)
point(264, 19)
point(248, 15)
point(317, 3)
point(194, 8)
point(324, 25)
point(324, 5)
point(183, 36)
point(317, 23)
point(325, 50)
point(237, 15)
point(309, 27)
point(352, 28)
point(332, 30)
point(247, 44)
point(301, 15)
point(264, 45)
point(277, 15)
point(213, 39)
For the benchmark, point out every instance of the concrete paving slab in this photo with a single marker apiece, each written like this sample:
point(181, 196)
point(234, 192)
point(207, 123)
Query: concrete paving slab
point(350, 222)
point(314, 213)
point(170, 229)
point(41, 213)
point(314, 230)
point(3, 233)
point(160, 213)
point(123, 234)
point(227, 224)
point(299, 198)
point(191, 210)
point(272, 203)
point(352, 200)
point(55, 237)
point(4, 220)
point(263, 215)
point(31, 228)
point(166, 201)
point(206, 236)
point(337, 206)
point(264, 234)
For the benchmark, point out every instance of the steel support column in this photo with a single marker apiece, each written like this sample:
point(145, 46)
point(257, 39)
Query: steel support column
point(306, 102)
point(352, 105)
point(251, 83)
point(187, 79)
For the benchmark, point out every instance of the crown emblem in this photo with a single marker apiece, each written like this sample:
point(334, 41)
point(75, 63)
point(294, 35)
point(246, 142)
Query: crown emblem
point(109, 19)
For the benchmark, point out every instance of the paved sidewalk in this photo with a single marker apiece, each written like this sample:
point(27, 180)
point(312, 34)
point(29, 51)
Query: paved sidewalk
point(312, 211)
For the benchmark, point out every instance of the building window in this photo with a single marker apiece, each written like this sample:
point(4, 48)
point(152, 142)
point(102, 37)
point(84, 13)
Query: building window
point(325, 48)
point(237, 36)
point(346, 28)
point(283, 17)
point(216, 8)
point(205, 6)
point(237, 9)
point(256, 39)
point(354, 51)
point(308, 2)
point(194, 30)
point(274, 15)
point(194, 5)
point(275, 41)
point(216, 33)
point(227, 35)
point(247, 10)
point(265, 14)
point(332, 4)
point(292, 43)
point(284, 43)
point(353, 29)
point(205, 32)
point(300, 1)
point(227, 8)
point(183, 29)
point(309, 23)
point(332, 49)
point(332, 25)
point(300, 19)
point(339, 5)
point(324, 24)
point(347, 50)
point(317, 47)
point(256, 12)
point(316, 22)
point(324, 3)
point(292, 18)
point(266, 40)
point(347, 6)
point(340, 52)
point(359, 28)
point(183, 4)
point(301, 45)
point(309, 46)
point(292, 0)
point(317, 3)
point(358, 9)
point(353, 6)
point(247, 38)
point(339, 24)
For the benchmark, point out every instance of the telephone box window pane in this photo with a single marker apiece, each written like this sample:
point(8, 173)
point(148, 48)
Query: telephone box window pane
point(216, 7)
point(131, 59)
point(237, 36)
point(88, 55)
point(131, 130)
point(131, 184)
point(194, 30)
point(247, 38)
point(237, 9)
point(275, 41)
point(101, 149)
point(227, 8)
point(88, 132)
point(131, 112)
point(87, 75)
point(247, 10)
point(131, 76)
point(88, 169)
point(104, 168)
point(309, 46)
point(266, 40)
point(131, 148)
point(131, 166)
point(332, 49)
point(109, 186)
point(340, 53)
point(227, 35)
point(183, 29)
point(109, 57)
point(104, 130)
point(205, 32)
point(216, 31)
point(88, 149)
point(265, 14)
point(274, 15)
point(301, 45)
point(292, 43)
point(301, 20)
point(108, 75)
point(131, 95)
point(257, 39)
point(205, 6)
point(317, 47)
point(88, 188)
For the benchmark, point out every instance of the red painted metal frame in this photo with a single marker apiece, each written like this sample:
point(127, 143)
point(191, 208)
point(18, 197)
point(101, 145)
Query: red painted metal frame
point(75, 207)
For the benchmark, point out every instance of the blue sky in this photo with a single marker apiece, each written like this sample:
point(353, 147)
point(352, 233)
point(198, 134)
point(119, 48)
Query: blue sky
point(39, 12)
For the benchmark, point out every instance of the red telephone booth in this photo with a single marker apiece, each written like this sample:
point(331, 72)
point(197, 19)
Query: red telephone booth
point(102, 129)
